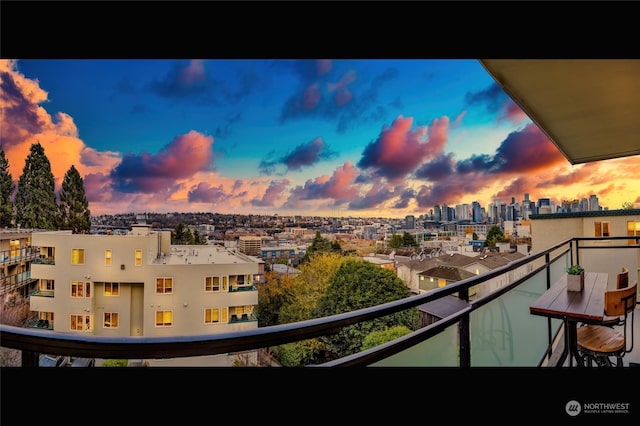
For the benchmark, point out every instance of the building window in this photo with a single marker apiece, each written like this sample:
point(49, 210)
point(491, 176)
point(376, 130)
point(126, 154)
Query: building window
point(107, 257)
point(77, 256)
point(603, 229)
point(138, 261)
point(111, 289)
point(81, 322)
point(14, 248)
point(633, 230)
point(80, 289)
point(110, 320)
point(212, 316)
point(225, 315)
point(164, 318)
point(225, 283)
point(47, 285)
point(211, 283)
point(164, 285)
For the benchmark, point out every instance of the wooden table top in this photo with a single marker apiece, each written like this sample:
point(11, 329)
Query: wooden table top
point(586, 305)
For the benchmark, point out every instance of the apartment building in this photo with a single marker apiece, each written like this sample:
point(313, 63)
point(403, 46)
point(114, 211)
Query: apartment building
point(16, 254)
point(139, 284)
point(550, 229)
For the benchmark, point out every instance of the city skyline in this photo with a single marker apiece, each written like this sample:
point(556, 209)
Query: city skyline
point(376, 138)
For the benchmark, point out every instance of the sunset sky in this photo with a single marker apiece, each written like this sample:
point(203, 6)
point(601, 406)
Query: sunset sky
point(362, 137)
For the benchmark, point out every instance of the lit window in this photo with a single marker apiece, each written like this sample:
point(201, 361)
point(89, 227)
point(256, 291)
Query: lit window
point(212, 316)
point(602, 229)
point(77, 256)
point(47, 285)
point(80, 322)
point(111, 289)
point(633, 230)
point(107, 257)
point(80, 289)
point(164, 318)
point(164, 285)
point(138, 257)
point(211, 283)
point(110, 320)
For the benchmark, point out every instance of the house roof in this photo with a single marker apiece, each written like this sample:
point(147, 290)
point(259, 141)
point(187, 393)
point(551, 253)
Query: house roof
point(588, 108)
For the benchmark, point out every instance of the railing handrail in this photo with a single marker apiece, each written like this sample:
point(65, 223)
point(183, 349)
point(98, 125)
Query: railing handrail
point(132, 347)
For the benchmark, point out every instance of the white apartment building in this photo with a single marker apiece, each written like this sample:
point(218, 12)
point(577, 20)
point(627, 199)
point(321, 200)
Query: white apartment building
point(139, 284)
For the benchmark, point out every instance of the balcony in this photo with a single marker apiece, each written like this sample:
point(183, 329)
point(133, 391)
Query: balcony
point(495, 330)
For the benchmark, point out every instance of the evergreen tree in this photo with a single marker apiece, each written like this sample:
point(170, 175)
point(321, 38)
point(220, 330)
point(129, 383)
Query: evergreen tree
point(74, 207)
point(6, 190)
point(35, 201)
point(182, 235)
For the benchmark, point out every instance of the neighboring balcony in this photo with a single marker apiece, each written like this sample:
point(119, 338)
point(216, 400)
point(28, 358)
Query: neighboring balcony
point(495, 330)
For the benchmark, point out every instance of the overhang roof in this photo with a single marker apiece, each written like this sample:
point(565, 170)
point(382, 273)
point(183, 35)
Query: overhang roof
point(589, 108)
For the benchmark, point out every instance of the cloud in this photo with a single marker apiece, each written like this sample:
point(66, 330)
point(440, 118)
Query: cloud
point(339, 187)
point(399, 150)
point(272, 194)
point(184, 156)
point(306, 154)
point(497, 102)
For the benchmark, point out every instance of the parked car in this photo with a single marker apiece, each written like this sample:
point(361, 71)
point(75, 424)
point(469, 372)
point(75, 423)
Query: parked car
point(82, 362)
point(53, 360)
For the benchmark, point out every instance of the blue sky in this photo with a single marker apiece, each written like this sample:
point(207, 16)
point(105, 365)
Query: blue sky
point(361, 137)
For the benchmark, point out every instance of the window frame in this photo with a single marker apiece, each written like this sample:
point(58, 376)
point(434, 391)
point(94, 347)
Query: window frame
point(137, 260)
point(165, 289)
point(115, 289)
point(108, 323)
point(77, 256)
point(108, 257)
point(163, 323)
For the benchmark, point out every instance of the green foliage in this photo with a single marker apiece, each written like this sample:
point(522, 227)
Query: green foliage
point(115, 363)
point(409, 240)
point(377, 338)
point(310, 286)
point(74, 207)
point(6, 191)
point(574, 270)
point(494, 235)
point(298, 354)
point(321, 245)
point(35, 200)
point(357, 285)
point(182, 235)
point(396, 241)
point(273, 294)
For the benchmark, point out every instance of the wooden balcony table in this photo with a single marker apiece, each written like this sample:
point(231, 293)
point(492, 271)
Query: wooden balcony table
point(573, 307)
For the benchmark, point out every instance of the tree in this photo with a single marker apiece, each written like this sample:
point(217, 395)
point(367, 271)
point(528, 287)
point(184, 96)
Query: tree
point(6, 190)
point(310, 286)
point(272, 295)
point(321, 244)
point(377, 338)
point(627, 205)
point(358, 285)
point(35, 201)
point(494, 235)
point(74, 207)
point(396, 241)
point(182, 235)
point(409, 240)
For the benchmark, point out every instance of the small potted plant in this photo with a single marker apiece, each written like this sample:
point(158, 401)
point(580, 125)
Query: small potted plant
point(575, 278)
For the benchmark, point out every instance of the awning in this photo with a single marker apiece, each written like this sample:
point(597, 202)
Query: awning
point(590, 109)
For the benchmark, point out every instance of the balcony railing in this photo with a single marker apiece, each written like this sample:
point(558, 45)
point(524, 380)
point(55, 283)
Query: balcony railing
point(493, 330)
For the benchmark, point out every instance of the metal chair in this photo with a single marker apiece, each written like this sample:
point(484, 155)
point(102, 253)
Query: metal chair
point(598, 343)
